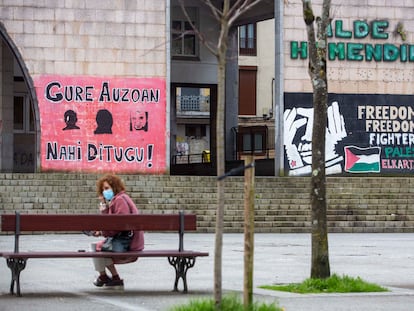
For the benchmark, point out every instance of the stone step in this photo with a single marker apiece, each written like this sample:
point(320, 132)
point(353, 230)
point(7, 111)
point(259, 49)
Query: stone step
point(282, 204)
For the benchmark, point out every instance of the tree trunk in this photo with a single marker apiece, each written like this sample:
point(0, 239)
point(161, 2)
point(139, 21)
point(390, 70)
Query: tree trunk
point(220, 143)
point(320, 255)
point(226, 15)
point(317, 70)
point(249, 190)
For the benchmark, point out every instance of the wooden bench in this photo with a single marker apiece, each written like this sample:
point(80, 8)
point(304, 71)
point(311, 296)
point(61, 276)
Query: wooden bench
point(180, 259)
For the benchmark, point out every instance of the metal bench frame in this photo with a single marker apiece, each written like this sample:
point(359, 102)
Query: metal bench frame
point(182, 260)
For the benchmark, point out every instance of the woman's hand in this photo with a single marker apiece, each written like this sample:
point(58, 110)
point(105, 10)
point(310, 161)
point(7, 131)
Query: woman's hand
point(102, 206)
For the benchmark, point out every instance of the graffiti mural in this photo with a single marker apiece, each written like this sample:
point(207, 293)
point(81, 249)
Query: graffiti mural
point(93, 124)
point(364, 134)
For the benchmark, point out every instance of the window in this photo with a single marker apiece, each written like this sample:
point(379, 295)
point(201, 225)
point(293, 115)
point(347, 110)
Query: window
point(247, 90)
point(195, 130)
point(252, 140)
point(192, 100)
point(247, 40)
point(184, 41)
point(192, 122)
point(23, 115)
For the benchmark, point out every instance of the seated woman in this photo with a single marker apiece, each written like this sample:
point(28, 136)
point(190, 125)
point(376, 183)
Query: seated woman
point(114, 200)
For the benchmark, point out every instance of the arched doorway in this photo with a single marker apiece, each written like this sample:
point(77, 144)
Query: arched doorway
point(19, 117)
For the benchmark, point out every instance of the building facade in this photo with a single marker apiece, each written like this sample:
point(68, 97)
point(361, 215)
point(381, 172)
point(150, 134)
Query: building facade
point(256, 121)
point(127, 86)
point(83, 86)
point(93, 86)
point(370, 84)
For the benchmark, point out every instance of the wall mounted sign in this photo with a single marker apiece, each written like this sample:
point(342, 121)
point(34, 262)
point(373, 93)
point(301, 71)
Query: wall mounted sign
point(102, 124)
point(366, 133)
point(355, 49)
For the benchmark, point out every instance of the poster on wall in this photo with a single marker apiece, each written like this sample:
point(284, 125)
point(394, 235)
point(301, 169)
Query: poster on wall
point(102, 124)
point(366, 133)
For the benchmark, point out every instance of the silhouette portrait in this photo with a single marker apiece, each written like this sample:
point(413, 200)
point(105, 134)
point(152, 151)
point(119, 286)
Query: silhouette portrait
point(104, 122)
point(138, 121)
point(70, 118)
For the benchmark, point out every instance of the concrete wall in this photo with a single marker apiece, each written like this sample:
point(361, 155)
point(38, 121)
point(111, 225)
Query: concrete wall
point(115, 38)
point(365, 77)
point(79, 39)
point(355, 204)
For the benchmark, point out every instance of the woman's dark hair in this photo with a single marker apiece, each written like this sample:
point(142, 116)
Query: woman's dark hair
point(114, 181)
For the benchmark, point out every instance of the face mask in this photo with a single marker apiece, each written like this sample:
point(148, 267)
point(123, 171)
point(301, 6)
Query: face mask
point(108, 194)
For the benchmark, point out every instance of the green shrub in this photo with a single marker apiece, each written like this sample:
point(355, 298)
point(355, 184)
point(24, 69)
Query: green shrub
point(333, 284)
point(228, 303)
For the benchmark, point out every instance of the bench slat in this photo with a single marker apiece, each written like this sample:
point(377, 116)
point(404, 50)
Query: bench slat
point(82, 222)
point(65, 254)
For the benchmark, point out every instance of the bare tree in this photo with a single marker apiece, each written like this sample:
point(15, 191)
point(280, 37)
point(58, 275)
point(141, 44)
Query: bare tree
point(225, 13)
point(317, 70)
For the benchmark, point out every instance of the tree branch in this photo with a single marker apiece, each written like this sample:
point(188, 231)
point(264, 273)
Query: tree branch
point(216, 12)
point(241, 7)
point(201, 37)
point(309, 18)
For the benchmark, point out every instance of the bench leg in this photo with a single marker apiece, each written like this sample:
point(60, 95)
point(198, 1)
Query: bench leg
point(16, 265)
point(181, 266)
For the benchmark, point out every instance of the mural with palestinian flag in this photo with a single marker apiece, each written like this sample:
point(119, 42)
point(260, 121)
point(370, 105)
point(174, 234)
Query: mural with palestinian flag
point(366, 133)
point(364, 160)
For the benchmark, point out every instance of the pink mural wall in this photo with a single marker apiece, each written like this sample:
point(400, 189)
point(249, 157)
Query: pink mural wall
point(102, 124)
